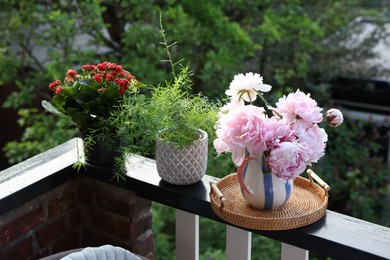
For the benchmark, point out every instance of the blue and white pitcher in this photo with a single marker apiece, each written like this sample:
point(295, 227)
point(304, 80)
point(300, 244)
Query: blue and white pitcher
point(263, 191)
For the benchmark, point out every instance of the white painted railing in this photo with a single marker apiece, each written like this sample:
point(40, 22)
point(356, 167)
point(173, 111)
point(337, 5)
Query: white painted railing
point(238, 241)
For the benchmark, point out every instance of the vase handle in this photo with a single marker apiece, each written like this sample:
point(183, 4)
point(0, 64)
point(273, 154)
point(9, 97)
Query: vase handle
point(240, 174)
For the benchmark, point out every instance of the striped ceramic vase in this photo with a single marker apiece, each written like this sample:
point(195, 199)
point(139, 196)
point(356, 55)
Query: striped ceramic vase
point(263, 191)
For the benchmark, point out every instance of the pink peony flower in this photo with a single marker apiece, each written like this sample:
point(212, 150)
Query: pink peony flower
point(277, 131)
point(298, 105)
point(290, 140)
point(334, 117)
point(241, 129)
point(286, 161)
point(231, 105)
point(313, 139)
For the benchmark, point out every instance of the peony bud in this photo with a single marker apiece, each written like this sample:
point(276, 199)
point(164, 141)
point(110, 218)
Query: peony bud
point(334, 117)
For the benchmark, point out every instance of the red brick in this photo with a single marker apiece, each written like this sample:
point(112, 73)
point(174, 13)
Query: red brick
point(140, 227)
point(70, 241)
point(150, 256)
point(143, 246)
point(52, 232)
point(111, 224)
point(62, 203)
point(21, 225)
point(75, 218)
point(86, 195)
point(23, 250)
point(123, 205)
point(140, 206)
point(89, 238)
point(115, 205)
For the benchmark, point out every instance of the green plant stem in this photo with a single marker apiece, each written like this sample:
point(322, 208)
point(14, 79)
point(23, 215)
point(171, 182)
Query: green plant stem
point(167, 47)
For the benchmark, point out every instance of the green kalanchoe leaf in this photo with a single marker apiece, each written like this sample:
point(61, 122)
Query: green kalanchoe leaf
point(86, 82)
point(111, 93)
point(72, 110)
point(84, 98)
point(52, 109)
point(59, 103)
point(140, 84)
point(70, 91)
point(80, 118)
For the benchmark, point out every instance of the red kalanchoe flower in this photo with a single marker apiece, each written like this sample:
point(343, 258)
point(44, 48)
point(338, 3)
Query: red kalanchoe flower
point(98, 78)
point(102, 66)
point(71, 73)
point(88, 67)
point(122, 90)
point(68, 79)
point(118, 81)
point(129, 76)
point(111, 66)
point(109, 77)
point(118, 68)
point(125, 83)
point(59, 90)
point(122, 82)
point(106, 82)
point(54, 84)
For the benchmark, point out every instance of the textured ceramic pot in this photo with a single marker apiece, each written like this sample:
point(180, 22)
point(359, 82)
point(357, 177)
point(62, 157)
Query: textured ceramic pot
point(182, 166)
point(261, 190)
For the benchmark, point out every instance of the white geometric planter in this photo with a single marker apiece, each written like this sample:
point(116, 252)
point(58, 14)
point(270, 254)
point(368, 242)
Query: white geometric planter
point(182, 166)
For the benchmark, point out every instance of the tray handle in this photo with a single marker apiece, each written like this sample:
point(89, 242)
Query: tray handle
point(219, 193)
point(324, 185)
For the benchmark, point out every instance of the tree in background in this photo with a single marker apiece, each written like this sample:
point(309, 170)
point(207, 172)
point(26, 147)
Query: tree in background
point(291, 43)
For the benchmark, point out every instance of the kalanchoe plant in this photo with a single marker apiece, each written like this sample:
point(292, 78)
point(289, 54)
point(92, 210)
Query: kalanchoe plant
point(290, 139)
point(89, 96)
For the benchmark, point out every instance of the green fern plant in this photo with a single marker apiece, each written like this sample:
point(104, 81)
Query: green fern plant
point(177, 115)
point(170, 113)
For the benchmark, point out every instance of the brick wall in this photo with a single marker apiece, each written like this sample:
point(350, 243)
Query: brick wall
point(80, 213)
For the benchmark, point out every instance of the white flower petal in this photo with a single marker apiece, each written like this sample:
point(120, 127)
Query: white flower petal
point(263, 87)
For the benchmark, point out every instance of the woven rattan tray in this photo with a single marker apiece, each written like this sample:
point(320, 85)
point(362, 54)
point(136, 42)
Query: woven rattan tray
point(307, 205)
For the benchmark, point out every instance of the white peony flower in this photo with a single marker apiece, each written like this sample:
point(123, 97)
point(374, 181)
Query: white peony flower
point(245, 86)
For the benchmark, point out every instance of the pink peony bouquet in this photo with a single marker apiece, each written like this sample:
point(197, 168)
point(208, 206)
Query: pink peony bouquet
point(290, 139)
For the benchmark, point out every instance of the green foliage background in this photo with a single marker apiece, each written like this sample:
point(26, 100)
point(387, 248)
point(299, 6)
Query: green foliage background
point(291, 43)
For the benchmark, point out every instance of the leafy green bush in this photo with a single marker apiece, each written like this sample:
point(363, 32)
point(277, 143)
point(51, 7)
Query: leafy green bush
point(294, 44)
point(359, 178)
